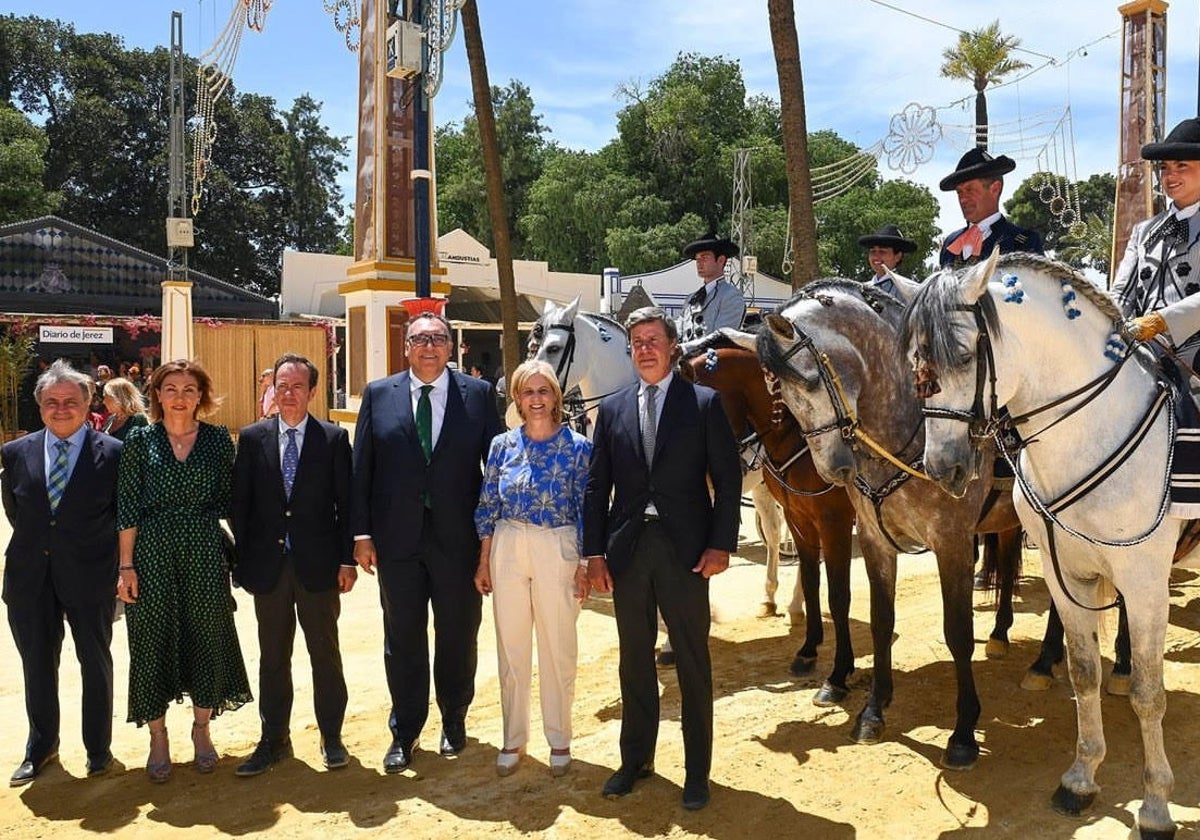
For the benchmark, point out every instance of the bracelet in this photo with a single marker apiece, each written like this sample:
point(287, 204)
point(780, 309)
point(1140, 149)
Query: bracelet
point(126, 568)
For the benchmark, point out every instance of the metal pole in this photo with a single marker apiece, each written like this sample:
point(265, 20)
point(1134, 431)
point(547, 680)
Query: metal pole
point(420, 184)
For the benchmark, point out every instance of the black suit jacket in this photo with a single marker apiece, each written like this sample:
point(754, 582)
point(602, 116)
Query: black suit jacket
point(317, 517)
point(76, 545)
point(694, 445)
point(1003, 235)
point(391, 477)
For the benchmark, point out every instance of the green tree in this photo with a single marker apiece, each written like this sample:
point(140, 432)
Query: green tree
point(461, 183)
point(22, 149)
point(1044, 202)
point(105, 115)
point(672, 135)
point(983, 58)
point(865, 208)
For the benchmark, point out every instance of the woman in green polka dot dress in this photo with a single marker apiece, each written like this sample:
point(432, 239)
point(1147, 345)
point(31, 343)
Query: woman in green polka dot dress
point(174, 486)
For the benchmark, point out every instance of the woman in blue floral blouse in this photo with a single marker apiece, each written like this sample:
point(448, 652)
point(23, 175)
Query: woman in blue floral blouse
point(530, 525)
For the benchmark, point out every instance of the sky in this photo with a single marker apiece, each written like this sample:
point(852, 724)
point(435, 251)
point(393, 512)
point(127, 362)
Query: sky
point(863, 61)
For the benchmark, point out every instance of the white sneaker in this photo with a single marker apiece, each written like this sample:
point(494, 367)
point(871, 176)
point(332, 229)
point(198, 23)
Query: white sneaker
point(506, 762)
point(559, 764)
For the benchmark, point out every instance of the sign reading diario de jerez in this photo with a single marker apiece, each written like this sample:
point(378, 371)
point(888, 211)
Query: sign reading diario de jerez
point(75, 335)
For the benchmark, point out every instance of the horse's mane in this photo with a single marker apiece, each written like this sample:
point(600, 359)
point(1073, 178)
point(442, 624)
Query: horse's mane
point(604, 319)
point(937, 302)
point(1063, 272)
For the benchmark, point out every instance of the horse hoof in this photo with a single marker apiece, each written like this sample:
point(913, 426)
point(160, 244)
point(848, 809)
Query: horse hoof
point(1153, 833)
point(1033, 681)
point(960, 756)
point(767, 610)
point(1118, 685)
point(996, 649)
point(867, 731)
point(802, 665)
point(830, 695)
point(1071, 804)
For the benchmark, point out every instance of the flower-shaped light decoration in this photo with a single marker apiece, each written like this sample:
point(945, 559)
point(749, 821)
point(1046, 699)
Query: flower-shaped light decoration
point(911, 137)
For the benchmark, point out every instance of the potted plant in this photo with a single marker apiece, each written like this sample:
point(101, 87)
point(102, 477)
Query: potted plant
point(16, 355)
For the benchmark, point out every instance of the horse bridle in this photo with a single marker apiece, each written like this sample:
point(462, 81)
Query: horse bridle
point(982, 423)
point(563, 370)
point(995, 422)
point(845, 422)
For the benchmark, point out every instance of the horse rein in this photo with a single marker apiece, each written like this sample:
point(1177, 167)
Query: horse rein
point(994, 423)
point(563, 371)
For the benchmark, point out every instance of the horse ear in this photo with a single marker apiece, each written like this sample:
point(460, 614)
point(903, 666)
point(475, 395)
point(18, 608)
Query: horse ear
point(974, 285)
point(781, 327)
point(548, 307)
point(571, 311)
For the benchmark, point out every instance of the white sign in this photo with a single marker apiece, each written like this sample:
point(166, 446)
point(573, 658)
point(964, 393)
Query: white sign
point(75, 335)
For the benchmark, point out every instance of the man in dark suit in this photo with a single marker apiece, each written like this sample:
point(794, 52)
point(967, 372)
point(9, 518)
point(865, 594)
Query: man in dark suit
point(291, 522)
point(978, 181)
point(658, 444)
point(59, 487)
point(419, 446)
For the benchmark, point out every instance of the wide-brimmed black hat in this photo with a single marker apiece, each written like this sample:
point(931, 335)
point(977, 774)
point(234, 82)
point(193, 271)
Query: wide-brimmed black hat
point(889, 236)
point(1183, 143)
point(711, 242)
point(977, 163)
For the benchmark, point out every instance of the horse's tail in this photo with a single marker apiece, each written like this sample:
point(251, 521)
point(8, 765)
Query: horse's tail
point(1002, 557)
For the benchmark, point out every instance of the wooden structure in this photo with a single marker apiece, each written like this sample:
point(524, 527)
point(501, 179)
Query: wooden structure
point(1142, 111)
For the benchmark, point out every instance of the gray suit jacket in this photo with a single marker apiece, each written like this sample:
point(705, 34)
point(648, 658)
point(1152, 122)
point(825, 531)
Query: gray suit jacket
point(725, 307)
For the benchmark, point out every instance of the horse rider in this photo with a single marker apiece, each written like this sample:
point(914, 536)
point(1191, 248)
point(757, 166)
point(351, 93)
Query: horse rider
point(1156, 285)
point(717, 303)
point(978, 181)
point(886, 248)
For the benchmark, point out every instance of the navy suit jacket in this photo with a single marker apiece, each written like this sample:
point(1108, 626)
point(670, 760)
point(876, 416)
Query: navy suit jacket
point(1003, 235)
point(391, 476)
point(316, 518)
point(694, 446)
point(76, 546)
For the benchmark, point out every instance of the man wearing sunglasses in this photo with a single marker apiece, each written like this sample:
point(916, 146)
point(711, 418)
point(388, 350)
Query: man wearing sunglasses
point(419, 445)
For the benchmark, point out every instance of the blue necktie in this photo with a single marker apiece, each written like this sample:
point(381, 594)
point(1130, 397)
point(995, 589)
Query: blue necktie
point(58, 474)
point(291, 457)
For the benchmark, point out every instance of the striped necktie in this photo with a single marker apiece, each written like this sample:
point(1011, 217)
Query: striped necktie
point(58, 474)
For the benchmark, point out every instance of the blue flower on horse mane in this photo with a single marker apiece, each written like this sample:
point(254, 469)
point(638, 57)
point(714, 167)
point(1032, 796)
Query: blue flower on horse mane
point(1115, 348)
point(604, 335)
point(710, 360)
point(1015, 293)
point(1068, 300)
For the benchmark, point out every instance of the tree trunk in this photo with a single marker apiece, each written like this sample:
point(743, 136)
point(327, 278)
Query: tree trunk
point(981, 121)
point(486, 118)
point(782, 17)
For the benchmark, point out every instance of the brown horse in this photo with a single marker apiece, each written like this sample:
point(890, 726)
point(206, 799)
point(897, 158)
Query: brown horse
point(818, 514)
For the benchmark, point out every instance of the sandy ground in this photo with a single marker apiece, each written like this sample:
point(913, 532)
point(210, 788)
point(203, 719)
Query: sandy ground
point(783, 767)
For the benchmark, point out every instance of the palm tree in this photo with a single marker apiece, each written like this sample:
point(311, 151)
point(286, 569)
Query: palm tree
point(782, 17)
point(983, 58)
point(485, 117)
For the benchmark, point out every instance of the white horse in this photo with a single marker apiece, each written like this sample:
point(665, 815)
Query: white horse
point(591, 352)
point(1038, 339)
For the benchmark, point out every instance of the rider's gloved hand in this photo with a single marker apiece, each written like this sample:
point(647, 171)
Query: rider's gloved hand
point(1146, 327)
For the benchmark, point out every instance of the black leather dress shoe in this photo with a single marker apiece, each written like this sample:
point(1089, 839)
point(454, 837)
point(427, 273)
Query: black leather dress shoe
point(29, 770)
point(333, 753)
point(454, 738)
point(695, 794)
point(621, 783)
point(399, 755)
point(268, 752)
point(100, 766)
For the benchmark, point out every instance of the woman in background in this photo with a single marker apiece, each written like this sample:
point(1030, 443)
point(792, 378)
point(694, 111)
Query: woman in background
point(126, 408)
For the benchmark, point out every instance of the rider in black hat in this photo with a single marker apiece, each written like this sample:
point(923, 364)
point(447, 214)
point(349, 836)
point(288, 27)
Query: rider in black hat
point(718, 303)
point(886, 248)
point(1161, 266)
point(978, 181)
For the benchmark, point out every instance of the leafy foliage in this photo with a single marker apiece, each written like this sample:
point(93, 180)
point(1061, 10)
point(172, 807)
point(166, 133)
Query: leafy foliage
point(104, 112)
point(1090, 246)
